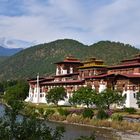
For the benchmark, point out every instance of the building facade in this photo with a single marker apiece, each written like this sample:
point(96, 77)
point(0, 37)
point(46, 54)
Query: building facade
point(73, 74)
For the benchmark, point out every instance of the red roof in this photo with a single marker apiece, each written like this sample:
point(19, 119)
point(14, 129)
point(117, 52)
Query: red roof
point(124, 65)
point(34, 80)
point(98, 76)
point(130, 75)
point(63, 82)
point(66, 75)
point(107, 75)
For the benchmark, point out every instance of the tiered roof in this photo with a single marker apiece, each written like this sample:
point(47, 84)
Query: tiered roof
point(69, 59)
point(92, 62)
point(128, 63)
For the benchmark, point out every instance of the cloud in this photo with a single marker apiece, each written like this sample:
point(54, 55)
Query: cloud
point(87, 21)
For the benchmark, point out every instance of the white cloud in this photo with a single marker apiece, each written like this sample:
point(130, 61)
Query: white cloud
point(89, 22)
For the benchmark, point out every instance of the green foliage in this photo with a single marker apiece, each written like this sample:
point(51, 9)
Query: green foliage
point(84, 95)
point(49, 112)
point(28, 128)
point(63, 112)
point(56, 94)
point(109, 97)
point(41, 58)
point(18, 91)
point(41, 110)
point(88, 113)
point(130, 110)
point(101, 114)
point(116, 117)
point(138, 98)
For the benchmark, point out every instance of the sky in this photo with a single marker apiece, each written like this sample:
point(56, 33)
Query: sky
point(88, 21)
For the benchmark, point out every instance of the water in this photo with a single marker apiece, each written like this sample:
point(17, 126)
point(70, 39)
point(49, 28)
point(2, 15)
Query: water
point(75, 131)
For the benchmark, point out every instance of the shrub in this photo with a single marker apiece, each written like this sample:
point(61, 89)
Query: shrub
point(49, 112)
point(116, 117)
point(63, 112)
point(102, 114)
point(130, 110)
point(56, 117)
point(76, 111)
point(75, 119)
point(88, 113)
point(41, 111)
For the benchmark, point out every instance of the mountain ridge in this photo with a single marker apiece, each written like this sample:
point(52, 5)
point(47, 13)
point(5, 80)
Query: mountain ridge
point(41, 58)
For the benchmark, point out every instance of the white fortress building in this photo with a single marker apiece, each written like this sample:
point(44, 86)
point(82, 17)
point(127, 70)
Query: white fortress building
point(73, 74)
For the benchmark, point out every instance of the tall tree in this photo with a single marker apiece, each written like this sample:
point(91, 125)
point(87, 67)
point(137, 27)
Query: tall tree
point(108, 97)
point(84, 95)
point(56, 94)
point(18, 91)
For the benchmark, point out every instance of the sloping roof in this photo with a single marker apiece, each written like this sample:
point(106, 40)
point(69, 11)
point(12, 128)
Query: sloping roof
point(98, 76)
point(67, 75)
point(124, 65)
point(62, 82)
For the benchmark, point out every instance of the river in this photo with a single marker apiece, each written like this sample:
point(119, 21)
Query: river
point(75, 131)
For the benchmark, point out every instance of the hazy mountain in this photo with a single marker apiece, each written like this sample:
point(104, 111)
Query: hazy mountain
point(8, 51)
point(15, 43)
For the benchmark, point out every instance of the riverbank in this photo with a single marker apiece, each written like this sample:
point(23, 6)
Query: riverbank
point(121, 129)
point(109, 132)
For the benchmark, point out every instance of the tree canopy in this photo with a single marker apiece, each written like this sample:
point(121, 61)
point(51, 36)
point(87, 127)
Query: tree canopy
point(84, 95)
point(56, 94)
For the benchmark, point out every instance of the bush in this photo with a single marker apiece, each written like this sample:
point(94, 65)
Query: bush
point(76, 111)
point(63, 112)
point(49, 112)
point(130, 110)
point(102, 115)
point(88, 113)
point(41, 111)
point(116, 117)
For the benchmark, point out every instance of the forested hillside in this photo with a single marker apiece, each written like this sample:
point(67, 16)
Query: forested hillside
point(41, 58)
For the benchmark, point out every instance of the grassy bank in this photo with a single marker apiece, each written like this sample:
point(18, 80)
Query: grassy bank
point(74, 115)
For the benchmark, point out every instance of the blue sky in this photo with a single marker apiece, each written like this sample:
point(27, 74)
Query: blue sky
point(88, 21)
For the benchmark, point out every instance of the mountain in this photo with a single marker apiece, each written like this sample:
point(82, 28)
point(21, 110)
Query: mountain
point(41, 58)
point(8, 51)
point(8, 42)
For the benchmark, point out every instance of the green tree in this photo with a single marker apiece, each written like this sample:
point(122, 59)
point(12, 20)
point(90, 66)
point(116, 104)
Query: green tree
point(138, 98)
point(56, 94)
point(108, 97)
point(28, 128)
point(84, 95)
point(18, 91)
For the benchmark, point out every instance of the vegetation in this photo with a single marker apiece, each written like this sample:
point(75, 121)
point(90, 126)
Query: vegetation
point(102, 114)
point(18, 91)
point(116, 117)
point(41, 58)
point(83, 96)
point(109, 97)
point(28, 128)
point(130, 110)
point(88, 113)
point(63, 112)
point(56, 94)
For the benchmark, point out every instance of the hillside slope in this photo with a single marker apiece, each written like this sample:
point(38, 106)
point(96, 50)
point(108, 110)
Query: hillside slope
point(41, 58)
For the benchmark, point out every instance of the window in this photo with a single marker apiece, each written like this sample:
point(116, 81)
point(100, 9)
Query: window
point(134, 95)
